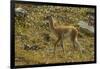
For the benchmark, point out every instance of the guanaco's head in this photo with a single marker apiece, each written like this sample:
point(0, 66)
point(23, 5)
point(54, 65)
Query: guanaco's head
point(48, 17)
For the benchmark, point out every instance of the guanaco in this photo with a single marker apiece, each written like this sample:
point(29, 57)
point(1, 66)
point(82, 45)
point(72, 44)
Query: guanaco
point(59, 31)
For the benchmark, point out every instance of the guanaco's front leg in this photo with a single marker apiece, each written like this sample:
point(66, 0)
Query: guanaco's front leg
point(55, 45)
point(62, 43)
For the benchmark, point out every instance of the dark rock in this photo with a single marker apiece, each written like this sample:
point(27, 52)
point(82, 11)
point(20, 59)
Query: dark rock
point(26, 47)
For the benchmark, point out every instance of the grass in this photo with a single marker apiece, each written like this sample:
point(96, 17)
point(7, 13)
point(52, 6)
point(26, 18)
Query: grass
point(45, 54)
point(33, 30)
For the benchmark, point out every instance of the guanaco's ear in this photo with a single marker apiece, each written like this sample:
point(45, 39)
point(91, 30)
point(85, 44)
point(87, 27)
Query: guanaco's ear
point(49, 15)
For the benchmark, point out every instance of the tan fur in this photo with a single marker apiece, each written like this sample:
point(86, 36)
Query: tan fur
point(59, 31)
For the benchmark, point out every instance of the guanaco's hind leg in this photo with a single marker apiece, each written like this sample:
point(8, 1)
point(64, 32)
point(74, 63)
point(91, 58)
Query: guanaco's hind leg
point(73, 37)
point(75, 41)
point(80, 47)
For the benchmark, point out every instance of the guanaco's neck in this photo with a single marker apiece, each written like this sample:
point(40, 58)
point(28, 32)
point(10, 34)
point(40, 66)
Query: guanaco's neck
point(51, 24)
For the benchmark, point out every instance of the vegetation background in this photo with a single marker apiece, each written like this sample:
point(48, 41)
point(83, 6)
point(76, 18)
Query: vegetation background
point(34, 32)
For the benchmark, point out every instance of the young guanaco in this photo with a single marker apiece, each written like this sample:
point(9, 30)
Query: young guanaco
point(60, 31)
